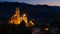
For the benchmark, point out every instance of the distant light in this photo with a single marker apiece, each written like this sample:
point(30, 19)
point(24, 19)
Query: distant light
point(17, 19)
point(31, 22)
point(46, 29)
point(24, 15)
point(14, 15)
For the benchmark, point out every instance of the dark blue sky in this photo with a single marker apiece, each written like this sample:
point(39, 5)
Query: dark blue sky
point(48, 2)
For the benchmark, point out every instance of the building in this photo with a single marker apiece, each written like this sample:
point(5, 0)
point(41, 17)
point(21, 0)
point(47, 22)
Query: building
point(17, 18)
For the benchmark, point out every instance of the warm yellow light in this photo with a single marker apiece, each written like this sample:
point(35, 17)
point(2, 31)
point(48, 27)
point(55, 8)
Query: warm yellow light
point(14, 15)
point(31, 22)
point(17, 19)
point(46, 29)
point(24, 15)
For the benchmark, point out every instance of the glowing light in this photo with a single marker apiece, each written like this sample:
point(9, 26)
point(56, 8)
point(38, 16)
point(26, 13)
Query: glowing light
point(31, 22)
point(46, 29)
point(14, 15)
point(17, 18)
point(24, 15)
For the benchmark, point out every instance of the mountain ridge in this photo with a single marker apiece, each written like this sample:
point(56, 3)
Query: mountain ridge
point(7, 9)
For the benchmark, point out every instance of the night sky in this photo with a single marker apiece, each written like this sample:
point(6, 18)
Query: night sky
point(48, 2)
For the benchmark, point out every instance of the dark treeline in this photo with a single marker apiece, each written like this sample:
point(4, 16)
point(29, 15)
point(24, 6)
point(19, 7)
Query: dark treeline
point(14, 29)
point(6, 28)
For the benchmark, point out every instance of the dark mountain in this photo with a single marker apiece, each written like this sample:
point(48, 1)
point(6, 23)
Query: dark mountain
point(37, 12)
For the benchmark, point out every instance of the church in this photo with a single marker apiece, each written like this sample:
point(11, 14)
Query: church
point(17, 18)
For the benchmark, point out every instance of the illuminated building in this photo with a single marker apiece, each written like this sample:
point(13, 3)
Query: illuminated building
point(17, 18)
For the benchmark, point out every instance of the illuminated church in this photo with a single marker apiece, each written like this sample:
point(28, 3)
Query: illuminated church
point(17, 18)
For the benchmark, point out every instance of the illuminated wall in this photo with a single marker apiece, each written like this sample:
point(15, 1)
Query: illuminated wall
point(17, 18)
